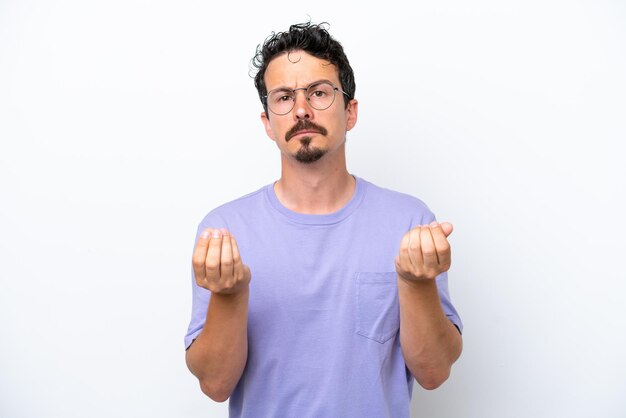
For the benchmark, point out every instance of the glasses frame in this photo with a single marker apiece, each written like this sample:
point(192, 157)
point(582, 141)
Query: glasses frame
point(308, 99)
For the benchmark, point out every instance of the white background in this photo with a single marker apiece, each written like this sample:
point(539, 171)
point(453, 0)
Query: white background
point(123, 122)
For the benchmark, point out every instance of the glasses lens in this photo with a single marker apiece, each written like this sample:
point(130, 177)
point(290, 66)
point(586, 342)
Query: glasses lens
point(321, 95)
point(280, 101)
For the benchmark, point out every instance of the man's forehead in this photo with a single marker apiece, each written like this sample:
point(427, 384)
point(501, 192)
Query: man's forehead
point(297, 69)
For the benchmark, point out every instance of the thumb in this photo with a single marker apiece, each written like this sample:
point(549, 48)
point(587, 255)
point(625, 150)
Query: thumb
point(447, 228)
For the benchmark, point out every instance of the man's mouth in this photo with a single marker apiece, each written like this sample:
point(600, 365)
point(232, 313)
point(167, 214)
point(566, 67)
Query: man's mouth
point(304, 127)
point(308, 131)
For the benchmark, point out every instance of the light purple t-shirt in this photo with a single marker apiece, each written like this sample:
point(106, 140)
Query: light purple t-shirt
point(323, 320)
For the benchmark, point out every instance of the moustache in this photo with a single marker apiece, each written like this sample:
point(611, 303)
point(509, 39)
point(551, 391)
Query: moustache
point(304, 125)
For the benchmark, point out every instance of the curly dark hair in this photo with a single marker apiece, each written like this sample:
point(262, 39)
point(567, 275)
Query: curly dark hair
point(308, 37)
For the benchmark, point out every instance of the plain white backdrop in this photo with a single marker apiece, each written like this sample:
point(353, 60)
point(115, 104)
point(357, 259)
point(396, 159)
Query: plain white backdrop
point(123, 122)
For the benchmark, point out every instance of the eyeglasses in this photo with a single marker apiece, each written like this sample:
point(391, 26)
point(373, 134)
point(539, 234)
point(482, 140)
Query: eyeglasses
point(320, 96)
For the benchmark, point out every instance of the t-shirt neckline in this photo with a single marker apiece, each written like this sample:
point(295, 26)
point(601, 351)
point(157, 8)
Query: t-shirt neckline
point(326, 219)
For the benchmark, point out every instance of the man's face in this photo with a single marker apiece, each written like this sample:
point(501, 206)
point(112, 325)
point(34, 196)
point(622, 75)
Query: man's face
point(306, 134)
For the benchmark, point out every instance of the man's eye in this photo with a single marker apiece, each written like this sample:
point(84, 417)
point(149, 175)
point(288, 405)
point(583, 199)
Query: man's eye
point(317, 93)
point(285, 98)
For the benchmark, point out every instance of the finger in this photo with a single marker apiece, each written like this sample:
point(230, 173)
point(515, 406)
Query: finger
point(199, 254)
point(403, 259)
point(212, 264)
point(415, 248)
point(442, 246)
point(226, 259)
point(447, 228)
point(428, 249)
point(238, 269)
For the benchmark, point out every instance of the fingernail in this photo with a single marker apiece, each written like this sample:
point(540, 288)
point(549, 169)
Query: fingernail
point(434, 224)
point(205, 234)
point(224, 232)
point(217, 233)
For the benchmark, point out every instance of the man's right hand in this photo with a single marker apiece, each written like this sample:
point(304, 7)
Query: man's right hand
point(217, 264)
point(218, 355)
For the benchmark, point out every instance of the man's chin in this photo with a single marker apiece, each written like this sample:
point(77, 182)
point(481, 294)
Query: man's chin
point(307, 155)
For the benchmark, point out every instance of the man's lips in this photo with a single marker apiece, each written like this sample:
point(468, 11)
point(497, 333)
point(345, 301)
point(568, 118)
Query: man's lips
point(304, 127)
point(308, 131)
point(303, 132)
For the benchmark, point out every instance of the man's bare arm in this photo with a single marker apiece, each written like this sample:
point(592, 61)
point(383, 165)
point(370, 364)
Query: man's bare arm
point(218, 355)
point(430, 342)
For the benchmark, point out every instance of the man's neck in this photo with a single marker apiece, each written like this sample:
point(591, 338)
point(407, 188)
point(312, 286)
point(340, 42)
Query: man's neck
point(314, 188)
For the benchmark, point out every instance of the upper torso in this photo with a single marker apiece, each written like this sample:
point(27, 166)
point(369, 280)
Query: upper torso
point(323, 317)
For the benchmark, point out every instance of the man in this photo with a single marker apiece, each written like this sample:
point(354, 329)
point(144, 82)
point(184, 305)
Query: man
point(320, 295)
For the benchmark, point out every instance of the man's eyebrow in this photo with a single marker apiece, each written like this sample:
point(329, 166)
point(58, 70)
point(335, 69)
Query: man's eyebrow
point(285, 88)
point(323, 80)
point(281, 88)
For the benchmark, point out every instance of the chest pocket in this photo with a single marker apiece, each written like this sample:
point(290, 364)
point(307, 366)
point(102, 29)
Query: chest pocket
point(377, 307)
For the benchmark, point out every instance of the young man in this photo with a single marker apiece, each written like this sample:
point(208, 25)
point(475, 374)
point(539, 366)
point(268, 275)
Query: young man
point(321, 295)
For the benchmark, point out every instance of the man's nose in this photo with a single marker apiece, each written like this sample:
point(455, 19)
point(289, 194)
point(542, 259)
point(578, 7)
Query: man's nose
point(302, 108)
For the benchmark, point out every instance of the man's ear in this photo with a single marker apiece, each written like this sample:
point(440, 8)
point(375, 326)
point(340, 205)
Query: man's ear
point(268, 128)
point(353, 112)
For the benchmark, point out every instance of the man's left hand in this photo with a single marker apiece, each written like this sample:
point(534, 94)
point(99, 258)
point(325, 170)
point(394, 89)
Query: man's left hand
point(424, 252)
